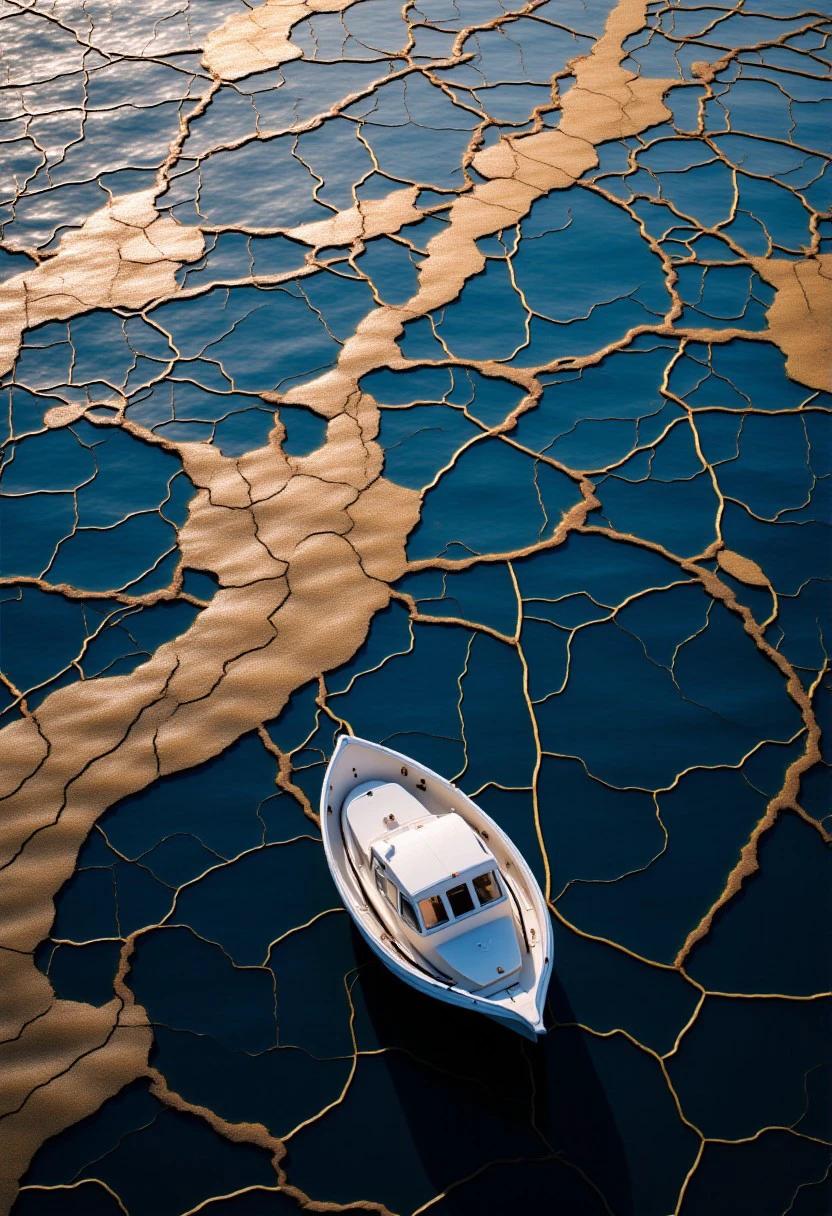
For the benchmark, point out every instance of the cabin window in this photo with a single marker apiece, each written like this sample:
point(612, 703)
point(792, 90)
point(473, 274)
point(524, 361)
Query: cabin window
point(487, 887)
point(460, 899)
point(433, 911)
point(408, 915)
point(386, 887)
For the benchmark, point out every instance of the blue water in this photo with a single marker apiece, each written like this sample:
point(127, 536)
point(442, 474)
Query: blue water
point(665, 728)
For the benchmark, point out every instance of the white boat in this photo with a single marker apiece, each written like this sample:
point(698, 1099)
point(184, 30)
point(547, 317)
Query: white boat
point(436, 888)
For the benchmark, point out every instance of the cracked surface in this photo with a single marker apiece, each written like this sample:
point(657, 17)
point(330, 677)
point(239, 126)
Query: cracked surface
point(456, 374)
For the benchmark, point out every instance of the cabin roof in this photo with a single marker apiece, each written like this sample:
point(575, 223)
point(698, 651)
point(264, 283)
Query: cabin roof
point(368, 806)
point(426, 854)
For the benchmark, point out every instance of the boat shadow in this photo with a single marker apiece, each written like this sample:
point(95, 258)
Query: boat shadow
point(528, 1126)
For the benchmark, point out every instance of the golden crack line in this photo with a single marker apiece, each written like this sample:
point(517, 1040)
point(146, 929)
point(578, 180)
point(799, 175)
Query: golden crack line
point(72, 1186)
point(538, 746)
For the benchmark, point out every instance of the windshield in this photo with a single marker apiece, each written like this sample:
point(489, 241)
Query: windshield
point(408, 915)
point(487, 887)
point(460, 899)
point(433, 911)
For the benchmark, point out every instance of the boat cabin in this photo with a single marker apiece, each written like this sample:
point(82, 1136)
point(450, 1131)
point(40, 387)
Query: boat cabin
point(438, 877)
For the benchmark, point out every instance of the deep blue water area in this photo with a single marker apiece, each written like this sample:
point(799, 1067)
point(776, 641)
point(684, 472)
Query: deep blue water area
point(639, 717)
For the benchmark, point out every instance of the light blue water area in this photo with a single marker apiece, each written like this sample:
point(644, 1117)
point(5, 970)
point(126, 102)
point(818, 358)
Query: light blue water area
point(242, 432)
point(13, 263)
point(691, 178)
point(367, 33)
point(488, 321)
point(729, 375)
point(420, 441)
point(45, 358)
point(223, 337)
point(487, 398)
point(110, 131)
point(233, 255)
point(391, 267)
point(337, 159)
point(308, 89)
point(768, 214)
point(558, 228)
point(533, 50)
point(278, 186)
point(406, 122)
point(42, 217)
point(812, 119)
point(589, 419)
point(724, 293)
point(788, 166)
point(757, 106)
point(513, 104)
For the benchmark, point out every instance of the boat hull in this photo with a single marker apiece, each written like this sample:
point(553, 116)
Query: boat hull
point(358, 760)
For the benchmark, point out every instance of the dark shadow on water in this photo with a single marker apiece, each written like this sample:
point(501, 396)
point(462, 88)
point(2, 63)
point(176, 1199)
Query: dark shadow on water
point(473, 1094)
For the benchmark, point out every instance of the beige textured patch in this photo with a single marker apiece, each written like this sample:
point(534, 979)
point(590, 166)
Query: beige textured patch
point(800, 318)
point(742, 568)
point(368, 219)
point(70, 1061)
point(124, 255)
point(259, 40)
